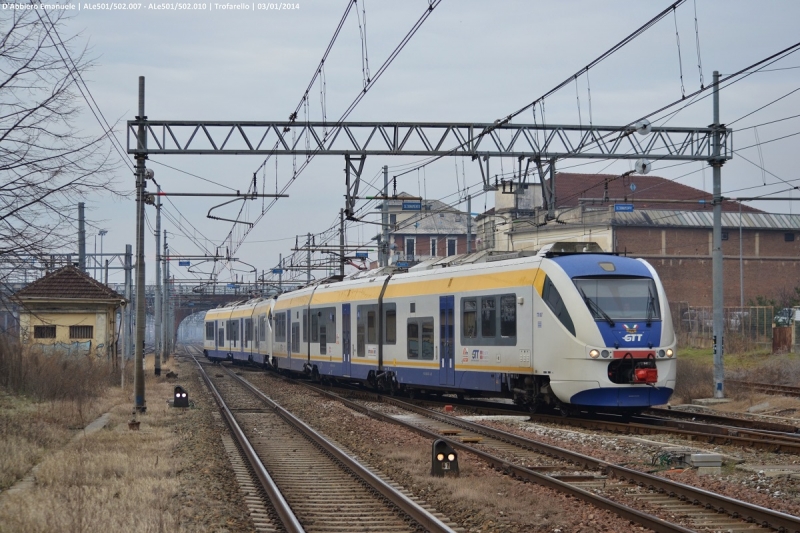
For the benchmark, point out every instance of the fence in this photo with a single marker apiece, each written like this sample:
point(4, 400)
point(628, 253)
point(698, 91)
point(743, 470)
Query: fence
point(745, 328)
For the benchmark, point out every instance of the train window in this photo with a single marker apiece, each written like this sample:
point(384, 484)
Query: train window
point(248, 329)
point(295, 336)
point(322, 321)
point(280, 327)
point(413, 307)
point(420, 338)
point(553, 300)
point(221, 337)
point(305, 326)
point(508, 315)
point(469, 317)
point(262, 328)
point(314, 325)
point(390, 323)
point(372, 327)
point(209, 331)
point(488, 317)
point(412, 333)
point(620, 298)
point(367, 329)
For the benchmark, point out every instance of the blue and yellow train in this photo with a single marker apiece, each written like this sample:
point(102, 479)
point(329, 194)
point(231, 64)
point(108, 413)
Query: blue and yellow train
point(566, 328)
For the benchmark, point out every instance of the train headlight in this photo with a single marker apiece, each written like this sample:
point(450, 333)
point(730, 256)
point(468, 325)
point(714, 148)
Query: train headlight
point(605, 353)
point(661, 353)
point(594, 354)
point(670, 353)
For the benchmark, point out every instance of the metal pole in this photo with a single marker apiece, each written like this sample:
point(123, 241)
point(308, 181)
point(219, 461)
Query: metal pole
point(280, 273)
point(129, 297)
point(384, 255)
point(308, 260)
point(106, 276)
point(157, 299)
point(469, 223)
point(127, 315)
point(716, 254)
point(165, 299)
point(741, 263)
point(138, 378)
point(81, 238)
point(341, 242)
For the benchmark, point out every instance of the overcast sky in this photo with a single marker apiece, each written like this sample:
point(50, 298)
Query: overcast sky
point(471, 61)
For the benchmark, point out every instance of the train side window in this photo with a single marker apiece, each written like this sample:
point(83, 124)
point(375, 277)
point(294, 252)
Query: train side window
point(427, 338)
point(390, 323)
point(262, 328)
point(295, 336)
point(314, 325)
point(248, 329)
point(413, 339)
point(280, 327)
point(372, 327)
point(488, 317)
point(209, 331)
point(305, 326)
point(221, 337)
point(469, 317)
point(553, 300)
point(508, 315)
point(420, 338)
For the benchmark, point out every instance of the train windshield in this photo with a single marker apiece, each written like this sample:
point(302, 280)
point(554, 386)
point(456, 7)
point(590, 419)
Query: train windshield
point(620, 298)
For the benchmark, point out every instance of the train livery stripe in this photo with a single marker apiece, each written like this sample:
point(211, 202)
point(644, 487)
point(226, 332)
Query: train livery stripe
point(347, 295)
point(297, 301)
point(457, 284)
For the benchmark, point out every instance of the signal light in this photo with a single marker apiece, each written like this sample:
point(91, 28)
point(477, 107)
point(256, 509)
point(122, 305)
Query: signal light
point(444, 459)
point(181, 398)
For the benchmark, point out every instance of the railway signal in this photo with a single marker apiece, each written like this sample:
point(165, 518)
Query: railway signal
point(444, 459)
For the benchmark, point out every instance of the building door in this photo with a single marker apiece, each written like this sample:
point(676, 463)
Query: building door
point(451, 247)
point(410, 248)
point(447, 371)
point(346, 344)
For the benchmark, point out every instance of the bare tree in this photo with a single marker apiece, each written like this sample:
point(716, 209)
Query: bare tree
point(47, 164)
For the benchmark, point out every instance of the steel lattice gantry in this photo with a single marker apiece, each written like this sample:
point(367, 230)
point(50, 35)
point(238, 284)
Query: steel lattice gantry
point(545, 142)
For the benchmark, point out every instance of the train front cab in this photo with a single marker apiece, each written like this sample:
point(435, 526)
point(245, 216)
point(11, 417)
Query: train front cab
point(609, 341)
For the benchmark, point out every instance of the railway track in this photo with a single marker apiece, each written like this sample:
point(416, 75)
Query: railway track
point(766, 388)
point(710, 429)
point(312, 485)
point(592, 480)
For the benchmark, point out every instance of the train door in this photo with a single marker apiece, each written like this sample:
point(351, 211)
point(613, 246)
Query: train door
point(447, 372)
point(346, 339)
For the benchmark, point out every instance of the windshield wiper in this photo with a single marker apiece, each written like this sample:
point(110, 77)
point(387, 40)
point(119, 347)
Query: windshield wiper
point(650, 307)
point(596, 308)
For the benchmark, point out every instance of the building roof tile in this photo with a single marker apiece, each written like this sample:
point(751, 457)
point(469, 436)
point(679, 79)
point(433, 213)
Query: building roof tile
point(68, 282)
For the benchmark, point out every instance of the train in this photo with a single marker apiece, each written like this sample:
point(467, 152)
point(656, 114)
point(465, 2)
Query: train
point(569, 328)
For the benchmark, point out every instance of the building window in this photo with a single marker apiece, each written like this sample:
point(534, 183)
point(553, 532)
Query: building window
point(788, 237)
point(410, 246)
point(451, 247)
point(434, 246)
point(393, 222)
point(44, 332)
point(80, 332)
point(724, 235)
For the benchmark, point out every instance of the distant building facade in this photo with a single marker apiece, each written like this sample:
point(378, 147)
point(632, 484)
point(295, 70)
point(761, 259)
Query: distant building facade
point(666, 223)
point(69, 311)
point(423, 229)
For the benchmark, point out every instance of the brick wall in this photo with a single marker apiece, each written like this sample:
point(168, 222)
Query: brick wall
point(683, 261)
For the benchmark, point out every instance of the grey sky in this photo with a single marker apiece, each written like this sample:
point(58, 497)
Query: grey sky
point(470, 62)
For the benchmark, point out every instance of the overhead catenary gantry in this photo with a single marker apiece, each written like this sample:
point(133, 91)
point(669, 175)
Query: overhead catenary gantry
point(540, 143)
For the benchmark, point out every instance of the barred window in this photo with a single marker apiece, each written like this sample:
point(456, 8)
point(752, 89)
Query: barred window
point(44, 332)
point(80, 332)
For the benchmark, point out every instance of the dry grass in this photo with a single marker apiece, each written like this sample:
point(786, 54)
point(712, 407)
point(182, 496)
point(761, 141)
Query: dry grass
point(693, 380)
point(112, 480)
